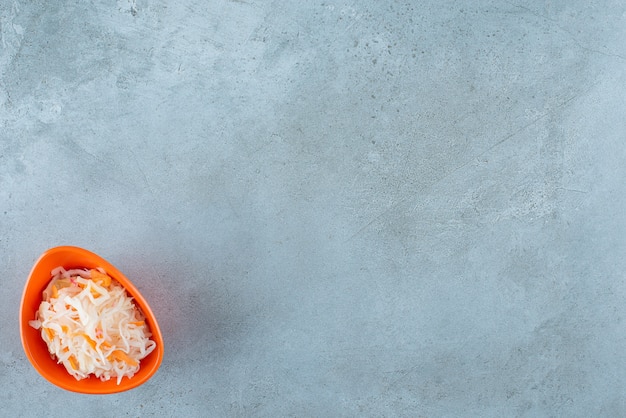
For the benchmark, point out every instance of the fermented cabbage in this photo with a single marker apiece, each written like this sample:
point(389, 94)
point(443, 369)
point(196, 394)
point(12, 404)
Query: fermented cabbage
point(92, 326)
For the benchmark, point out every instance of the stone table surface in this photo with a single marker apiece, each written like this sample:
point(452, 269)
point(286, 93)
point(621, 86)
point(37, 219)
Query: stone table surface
point(334, 208)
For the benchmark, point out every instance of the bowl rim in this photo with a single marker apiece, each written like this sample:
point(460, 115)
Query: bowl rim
point(32, 289)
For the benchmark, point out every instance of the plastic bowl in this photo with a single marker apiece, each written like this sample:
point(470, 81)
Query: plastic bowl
point(36, 349)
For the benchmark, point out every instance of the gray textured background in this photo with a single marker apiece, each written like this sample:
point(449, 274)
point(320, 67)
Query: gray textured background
point(335, 208)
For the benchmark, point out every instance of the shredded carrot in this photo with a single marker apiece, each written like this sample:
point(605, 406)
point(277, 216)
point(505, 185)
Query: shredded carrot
point(55, 292)
point(65, 328)
point(100, 278)
point(137, 323)
point(105, 344)
point(49, 332)
point(91, 342)
point(122, 356)
point(73, 362)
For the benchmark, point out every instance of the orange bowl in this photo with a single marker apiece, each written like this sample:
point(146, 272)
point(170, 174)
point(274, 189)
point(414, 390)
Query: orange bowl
point(35, 347)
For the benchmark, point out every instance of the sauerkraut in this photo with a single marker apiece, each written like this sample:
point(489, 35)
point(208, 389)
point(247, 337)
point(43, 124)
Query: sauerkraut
point(92, 326)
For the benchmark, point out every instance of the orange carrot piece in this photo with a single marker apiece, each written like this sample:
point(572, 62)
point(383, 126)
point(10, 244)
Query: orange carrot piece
point(122, 356)
point(137, 323)
point(72, 361)
point(91, 342)
point(55, 292)
point(49, 332)
point(100, 278)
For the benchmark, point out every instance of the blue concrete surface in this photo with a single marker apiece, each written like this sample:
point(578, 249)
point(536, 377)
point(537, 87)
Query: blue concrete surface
point(335, 208)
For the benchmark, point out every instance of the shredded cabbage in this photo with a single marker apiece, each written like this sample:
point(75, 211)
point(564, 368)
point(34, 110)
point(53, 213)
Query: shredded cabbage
point(92, 326)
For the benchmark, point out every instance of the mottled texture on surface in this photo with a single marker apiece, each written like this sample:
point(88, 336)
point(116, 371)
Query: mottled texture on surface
point(334, 208)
